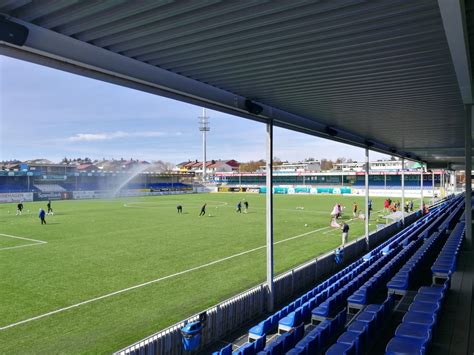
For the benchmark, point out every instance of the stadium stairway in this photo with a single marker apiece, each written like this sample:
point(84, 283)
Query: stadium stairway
point(326, 305)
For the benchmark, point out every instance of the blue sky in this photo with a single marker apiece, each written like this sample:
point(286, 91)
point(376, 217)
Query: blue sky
point(46, 113)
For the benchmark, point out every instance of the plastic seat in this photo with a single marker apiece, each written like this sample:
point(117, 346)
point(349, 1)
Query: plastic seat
point(362, 329)
point(350, 337)
point(404, 346)
point(423, 307)
point(429, 298)
point(226, 350)
point(341, 349)
point(416, 331)
point(420, 318)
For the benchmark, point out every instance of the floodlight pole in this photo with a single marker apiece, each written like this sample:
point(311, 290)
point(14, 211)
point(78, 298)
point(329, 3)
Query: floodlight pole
point(269, 215)
point(204, 128)
point(367, 213)
point(403, 191)
point(468, 174)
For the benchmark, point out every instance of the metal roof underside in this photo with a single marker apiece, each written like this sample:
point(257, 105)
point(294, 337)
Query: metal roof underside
point(381, 70)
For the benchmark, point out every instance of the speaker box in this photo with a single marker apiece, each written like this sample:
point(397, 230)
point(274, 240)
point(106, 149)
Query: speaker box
point(12, 32)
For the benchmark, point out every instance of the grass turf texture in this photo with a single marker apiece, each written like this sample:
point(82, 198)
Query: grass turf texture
point(96, 247)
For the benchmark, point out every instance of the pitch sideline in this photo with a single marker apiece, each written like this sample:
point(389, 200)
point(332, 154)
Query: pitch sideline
point(44, 315)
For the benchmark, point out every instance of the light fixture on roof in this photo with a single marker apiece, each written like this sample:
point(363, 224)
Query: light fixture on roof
point(331, 131)
point(252, 107)
point(12, 32)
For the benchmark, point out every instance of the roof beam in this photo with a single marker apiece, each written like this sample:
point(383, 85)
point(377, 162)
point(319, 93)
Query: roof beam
point(454, 22)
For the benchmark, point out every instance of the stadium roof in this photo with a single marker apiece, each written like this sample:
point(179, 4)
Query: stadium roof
point(392, 75)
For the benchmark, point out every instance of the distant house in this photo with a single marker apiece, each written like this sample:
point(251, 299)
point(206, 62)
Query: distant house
point(212, 166)
point(88, 167)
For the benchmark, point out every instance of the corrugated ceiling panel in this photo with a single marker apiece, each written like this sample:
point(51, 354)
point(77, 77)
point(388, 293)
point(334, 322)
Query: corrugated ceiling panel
point(381, 69)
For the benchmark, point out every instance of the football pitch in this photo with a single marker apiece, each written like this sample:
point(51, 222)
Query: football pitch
point(103, 274)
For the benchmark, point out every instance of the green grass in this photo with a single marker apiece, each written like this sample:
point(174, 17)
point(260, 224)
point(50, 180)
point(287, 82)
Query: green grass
point(98, 247)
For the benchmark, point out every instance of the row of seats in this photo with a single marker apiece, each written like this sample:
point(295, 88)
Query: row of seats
point(304, 312)
point(400, 283)
point(363, 295)
point(445, 264)
point(335, 287)
point(414, 333)
point(321, 336)
point(312, 297)
point(336, 302)
point(361, 331)
point(284, 343)
point(411, 235)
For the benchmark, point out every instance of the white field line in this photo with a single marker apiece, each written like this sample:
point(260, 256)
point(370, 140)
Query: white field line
point(20, 246)
point(36, 242)
point(23, 238)
point(153, 281)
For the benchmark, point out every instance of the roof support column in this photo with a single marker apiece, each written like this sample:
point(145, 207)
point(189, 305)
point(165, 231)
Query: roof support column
point(455, 182)
point(468, 154)
point(433, 186)
point(421, 186)
point(367, 210)
point(403, 191)
point(269, 215)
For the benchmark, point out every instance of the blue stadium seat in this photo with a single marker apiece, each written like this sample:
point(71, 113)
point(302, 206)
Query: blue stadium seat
point(405, 346)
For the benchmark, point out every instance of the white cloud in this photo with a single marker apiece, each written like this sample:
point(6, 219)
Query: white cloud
point(89, 137)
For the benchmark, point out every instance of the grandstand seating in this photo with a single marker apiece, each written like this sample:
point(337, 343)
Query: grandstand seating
point(399, 258)
point(445, 264)
point(413, 335)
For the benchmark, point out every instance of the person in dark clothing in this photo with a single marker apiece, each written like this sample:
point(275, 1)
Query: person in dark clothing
point(411, 206)
point(50, 210)
point(42, 214)
point(345, 233)
point(203, 210)
point(19, 208)
point(179, 208)
point(246, 206)
point(370, 207)
point(239, 207)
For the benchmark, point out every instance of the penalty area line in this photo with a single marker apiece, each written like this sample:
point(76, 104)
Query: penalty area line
point(23, 238)
point(36, 242)
point(44, 315)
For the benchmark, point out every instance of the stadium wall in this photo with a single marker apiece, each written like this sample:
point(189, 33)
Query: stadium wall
point(240, 310)
point(10, 197)
point(333, 190)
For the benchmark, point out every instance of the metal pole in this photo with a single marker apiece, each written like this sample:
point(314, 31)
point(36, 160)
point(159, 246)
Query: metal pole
point(367, 212)
point(433, 186)
point(269, 215)
point(204, 155)
point(421, 186)
point(204, 128)
point(468, 156)
point(455, 182)
point(403, 191)
point(385, 181)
